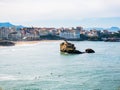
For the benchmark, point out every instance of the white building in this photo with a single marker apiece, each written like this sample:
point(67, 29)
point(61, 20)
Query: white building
point(43, 32)
point(70, 34)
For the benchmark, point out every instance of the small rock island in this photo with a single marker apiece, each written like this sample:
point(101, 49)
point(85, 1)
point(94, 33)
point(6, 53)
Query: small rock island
point(89, 50)
point(71, 49)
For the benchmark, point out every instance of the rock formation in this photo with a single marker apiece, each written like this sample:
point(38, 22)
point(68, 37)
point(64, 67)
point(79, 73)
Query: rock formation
point(6, 43)
point(89, 50)
point(69, 48)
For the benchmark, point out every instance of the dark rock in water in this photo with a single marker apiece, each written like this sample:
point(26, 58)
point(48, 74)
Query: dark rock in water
point(69, 48)
point(6, 43)
point(74, 52)
point(89, 50)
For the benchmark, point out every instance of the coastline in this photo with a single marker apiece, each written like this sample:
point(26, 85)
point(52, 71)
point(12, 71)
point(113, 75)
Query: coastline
point(25, 42)
point(19, 43)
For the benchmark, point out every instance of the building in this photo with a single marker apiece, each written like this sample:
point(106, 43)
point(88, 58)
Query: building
point(30, 33)
point(70, 34)
point(5, 31)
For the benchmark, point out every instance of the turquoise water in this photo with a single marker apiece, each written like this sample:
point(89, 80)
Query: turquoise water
point(42, 67)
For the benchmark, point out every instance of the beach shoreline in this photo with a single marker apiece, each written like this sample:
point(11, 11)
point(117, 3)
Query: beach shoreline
point(33, 42)
point(19, 43)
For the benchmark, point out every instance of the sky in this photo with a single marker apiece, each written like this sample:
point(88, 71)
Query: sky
point(61, 13)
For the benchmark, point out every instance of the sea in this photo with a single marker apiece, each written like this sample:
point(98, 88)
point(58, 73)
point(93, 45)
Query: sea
point(42, 66)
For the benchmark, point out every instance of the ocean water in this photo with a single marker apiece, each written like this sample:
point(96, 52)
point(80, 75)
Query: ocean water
point(41, 66)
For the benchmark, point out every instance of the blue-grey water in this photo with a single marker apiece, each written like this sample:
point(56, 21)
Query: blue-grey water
point(42, 67)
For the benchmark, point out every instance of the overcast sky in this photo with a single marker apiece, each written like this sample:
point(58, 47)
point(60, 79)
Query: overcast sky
point(58, 13)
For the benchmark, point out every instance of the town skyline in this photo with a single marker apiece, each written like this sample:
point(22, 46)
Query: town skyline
point(63, 13)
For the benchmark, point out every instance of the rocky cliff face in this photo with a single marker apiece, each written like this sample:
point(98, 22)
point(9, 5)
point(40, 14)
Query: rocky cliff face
point(65, 46)
point(69, 48)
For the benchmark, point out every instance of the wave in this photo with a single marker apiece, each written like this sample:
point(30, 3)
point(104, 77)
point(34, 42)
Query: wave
point(6, 77)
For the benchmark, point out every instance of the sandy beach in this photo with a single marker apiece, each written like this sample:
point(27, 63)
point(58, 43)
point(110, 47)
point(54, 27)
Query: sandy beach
point(25, 42)
point(17, 43)
point(34, 42)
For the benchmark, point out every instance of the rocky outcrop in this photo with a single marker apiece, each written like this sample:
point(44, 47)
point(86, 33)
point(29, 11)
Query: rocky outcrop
point(6, 43)
point(89, 50)
point(75, 52)
point(69, 48)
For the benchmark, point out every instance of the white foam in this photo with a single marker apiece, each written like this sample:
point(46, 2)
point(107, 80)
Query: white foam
point(4, 77)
